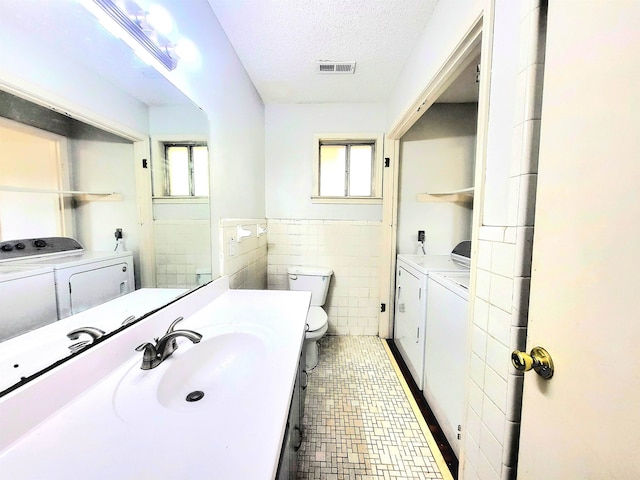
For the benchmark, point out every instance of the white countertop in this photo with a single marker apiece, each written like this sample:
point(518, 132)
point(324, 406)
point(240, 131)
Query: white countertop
point(88, 439)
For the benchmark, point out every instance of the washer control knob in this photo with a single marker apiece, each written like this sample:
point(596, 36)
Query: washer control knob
point(39, 243)
point(20, 246)
point(6, 247)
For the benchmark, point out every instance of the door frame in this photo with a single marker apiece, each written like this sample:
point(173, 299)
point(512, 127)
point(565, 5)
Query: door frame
point(472, 43)
point(141, 146)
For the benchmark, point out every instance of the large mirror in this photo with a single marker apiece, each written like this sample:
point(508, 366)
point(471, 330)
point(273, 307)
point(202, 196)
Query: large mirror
point(90, 139)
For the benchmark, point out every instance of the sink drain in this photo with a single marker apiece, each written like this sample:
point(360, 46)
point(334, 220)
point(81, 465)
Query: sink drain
point(195, 396)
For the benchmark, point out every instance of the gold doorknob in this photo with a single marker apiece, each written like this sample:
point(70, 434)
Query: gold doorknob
point(539, 360)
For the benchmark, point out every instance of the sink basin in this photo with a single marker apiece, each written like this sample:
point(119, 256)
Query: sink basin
point(200, 376)
point(220, 366)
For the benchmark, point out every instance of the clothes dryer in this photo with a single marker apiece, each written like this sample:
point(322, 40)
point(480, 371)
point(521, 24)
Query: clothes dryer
point(82, 279)
point(445, 351)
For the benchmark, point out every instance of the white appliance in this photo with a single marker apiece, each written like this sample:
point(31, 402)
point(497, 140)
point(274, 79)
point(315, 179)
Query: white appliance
point(412, 273)
point(28, 299)
point(83, 279)
point(445, 351)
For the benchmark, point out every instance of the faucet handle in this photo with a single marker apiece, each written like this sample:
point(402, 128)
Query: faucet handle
point(150, 357)
point(143, 346)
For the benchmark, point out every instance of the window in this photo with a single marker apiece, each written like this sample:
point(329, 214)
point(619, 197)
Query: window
point(186, 170)
point(348, 169)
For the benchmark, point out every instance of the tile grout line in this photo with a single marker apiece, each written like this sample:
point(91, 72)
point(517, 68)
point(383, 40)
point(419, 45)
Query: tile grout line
point(433, 446)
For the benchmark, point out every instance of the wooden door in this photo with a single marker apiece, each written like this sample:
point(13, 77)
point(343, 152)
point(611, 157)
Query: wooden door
point(584, 423)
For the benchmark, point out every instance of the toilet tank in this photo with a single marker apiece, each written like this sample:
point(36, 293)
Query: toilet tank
point(311, 279)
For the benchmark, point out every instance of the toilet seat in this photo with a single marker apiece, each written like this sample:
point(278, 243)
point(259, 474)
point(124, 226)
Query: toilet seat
point(316, 318)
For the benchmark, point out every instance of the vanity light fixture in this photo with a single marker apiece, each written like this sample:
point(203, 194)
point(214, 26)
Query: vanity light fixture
point(144, 28)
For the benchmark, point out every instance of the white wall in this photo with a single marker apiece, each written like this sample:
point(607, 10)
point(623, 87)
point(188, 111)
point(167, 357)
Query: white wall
point(450, 20)
point(220, 85)
point(186, 119)
point(29, 157)
point(289, 157)
point(345, 238)
point(41, 70)
point(437, 154)
point(99, 166)
point(505, 92)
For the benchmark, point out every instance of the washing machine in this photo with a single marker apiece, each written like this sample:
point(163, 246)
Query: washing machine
point(410, 320)
point(28, 299)
point(83, 279)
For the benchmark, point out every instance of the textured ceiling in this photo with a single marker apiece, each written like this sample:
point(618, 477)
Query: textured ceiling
point(280, 41)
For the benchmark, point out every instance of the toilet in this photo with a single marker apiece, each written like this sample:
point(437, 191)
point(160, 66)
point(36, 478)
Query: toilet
point(314, 280)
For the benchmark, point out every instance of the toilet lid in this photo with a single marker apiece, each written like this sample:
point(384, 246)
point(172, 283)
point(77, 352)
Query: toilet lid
point(316, 318)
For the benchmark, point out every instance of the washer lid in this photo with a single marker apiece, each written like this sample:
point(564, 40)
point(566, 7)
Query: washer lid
point(316, 318)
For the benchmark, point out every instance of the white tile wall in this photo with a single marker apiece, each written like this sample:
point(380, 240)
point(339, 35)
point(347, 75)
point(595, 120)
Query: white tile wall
point(350, 249)
point(503, 280)
point(183, 248)
point(244, 260)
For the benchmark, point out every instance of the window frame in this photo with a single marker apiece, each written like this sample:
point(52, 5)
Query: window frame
point(160, 169)
point(376, 139)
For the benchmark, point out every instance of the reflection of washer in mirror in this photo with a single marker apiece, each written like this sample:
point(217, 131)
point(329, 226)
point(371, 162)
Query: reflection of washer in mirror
point(21, 313)
point(83, 279)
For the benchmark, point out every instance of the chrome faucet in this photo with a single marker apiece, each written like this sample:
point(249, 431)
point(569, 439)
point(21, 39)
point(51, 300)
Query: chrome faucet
point(93, 332)
point(154, 355)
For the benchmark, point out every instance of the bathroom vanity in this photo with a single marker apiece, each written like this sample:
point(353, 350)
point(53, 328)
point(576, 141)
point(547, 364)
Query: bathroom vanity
point(226, 407)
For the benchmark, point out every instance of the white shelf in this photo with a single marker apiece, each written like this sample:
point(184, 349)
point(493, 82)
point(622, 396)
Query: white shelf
point(77, 194)
point(463, 195)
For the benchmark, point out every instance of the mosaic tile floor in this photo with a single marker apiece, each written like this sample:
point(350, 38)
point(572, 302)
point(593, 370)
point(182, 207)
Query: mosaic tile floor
point(358, 422)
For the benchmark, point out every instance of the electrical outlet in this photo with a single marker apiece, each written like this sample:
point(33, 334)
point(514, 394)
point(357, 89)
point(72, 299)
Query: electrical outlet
point(421, 235)
point(118, 233)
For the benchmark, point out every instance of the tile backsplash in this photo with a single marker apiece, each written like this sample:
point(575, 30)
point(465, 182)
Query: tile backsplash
point(350, 249)
point(244, 258)
point(503, 278)
point(183, 251)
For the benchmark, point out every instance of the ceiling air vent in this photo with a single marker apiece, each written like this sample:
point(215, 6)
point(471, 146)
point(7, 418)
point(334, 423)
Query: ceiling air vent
point(336, 67)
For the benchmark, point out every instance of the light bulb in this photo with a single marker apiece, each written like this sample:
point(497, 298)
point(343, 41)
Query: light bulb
point(187, 50)
point(159, 19)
